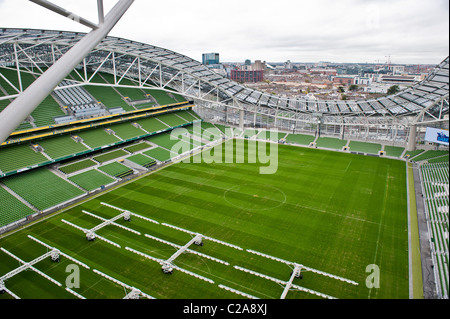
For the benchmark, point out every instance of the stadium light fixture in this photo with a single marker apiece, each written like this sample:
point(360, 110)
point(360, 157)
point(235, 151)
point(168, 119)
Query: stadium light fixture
point(18, 110)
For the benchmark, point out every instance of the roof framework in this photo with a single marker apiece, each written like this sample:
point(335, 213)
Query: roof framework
point(27, 101)
point(153, 67)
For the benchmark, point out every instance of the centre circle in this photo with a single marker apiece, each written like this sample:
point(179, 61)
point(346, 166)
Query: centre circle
point(255, 196)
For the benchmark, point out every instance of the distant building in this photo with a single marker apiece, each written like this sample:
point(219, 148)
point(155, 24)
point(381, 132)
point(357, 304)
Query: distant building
point(251, 76)
point(288, 65)
point(210, 58)
point(377, 88)
point(249, 72)
point(302, 68)
point(323, 64)
point(258, 66)
point(396, 69)
point(328, 72)
point(344, 80)
point(363, 80)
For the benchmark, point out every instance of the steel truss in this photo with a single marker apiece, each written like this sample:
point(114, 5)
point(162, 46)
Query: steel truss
point(220, 99)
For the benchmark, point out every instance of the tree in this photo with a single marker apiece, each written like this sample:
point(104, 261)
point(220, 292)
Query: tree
point(353, 87)
point(393, 89)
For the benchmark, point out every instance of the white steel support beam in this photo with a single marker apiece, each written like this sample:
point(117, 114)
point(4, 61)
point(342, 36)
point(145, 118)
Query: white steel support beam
point(412, 138)
point(19, 77)
point(99, 67)
point(53, 7)
point(139, 72)
point(196, 239)
point(131, 64)
point(295, 274)
point(16, 112)
point(425, 110)
point(28, 265)
point(114, 67)
point(101, 14)
point(30, 58)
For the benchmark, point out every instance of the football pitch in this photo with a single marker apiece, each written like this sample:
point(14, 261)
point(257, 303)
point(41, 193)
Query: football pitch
point(338, 215)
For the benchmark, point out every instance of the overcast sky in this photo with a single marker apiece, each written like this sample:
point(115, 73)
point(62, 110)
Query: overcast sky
point(409, 31)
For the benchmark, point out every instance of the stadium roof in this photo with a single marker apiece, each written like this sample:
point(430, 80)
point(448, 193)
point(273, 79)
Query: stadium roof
point(153, 66)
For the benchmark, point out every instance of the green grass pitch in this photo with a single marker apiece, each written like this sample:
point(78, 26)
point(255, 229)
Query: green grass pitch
point(331, 211)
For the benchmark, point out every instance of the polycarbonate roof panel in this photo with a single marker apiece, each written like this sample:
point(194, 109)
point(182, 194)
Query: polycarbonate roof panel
point(364, 106)
point(312, 106)
point(375, 105)
point(353, 106)
point(333, 107)
point(322, 106)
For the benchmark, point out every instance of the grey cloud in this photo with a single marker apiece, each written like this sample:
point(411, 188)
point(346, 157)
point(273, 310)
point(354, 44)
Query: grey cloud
point(289, 29)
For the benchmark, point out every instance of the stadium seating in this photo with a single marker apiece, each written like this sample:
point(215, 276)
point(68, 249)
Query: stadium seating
point(4, 104)
point(435, 183)
point(61, 146)
point(11, 75)
point(207, 132)
point(42, 188)
point(414, 153)
point(429, 155)
point(116, 169)
point(161, 97)
point(267, 135)
point(46, 111)
point(330, 142)
point(97, 137)
point(188, 116)
point(364, 147)
point(73, 96)
point(16, 157)
point(160, 154)
point(108, 97)
point(440, 159)
point(91, 180)
point(109, 156)
point(394, 151)
point(12, 209)
point(163, 140)
point(249, 133)
point(152, 124)
point(137, 147)
point(80, 103)
point(126, 131)
point(172, 119)
point(300, 139)
point(142, 160)
point(77, 166)
point(144, 105)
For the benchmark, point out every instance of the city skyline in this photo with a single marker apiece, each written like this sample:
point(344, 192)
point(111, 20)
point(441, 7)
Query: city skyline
point(347, 31)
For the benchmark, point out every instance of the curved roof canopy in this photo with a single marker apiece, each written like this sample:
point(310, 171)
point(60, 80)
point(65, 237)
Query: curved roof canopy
point(151, 66)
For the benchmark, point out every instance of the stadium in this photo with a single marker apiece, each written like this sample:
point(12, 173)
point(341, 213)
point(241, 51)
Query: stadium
point(107, 192)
